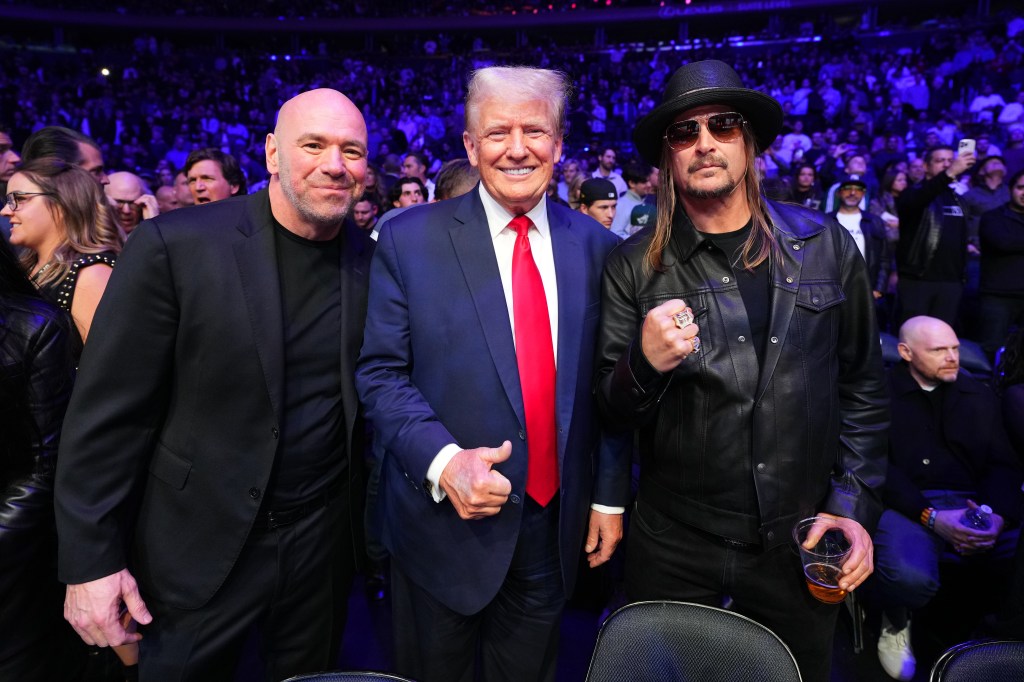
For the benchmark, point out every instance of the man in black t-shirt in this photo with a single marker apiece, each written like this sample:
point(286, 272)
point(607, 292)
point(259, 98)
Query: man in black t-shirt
point(738, 336)
point(211, 453)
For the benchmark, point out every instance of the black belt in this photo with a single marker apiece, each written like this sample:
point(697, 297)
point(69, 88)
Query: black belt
point(276, 518)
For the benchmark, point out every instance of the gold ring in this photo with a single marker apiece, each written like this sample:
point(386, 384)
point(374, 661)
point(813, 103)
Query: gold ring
point(683, 318)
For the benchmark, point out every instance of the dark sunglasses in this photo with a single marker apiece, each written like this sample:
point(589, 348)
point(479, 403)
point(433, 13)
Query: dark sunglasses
point(725, 127)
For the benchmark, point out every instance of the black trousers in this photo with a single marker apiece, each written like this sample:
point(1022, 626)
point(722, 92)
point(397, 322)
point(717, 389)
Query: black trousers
point(515, 637)
point(671, 560)
point(286, 584)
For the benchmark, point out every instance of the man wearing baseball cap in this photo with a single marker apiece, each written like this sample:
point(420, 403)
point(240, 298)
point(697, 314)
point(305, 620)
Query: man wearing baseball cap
point(867, 231)
point(738, 336)
point(598, 199)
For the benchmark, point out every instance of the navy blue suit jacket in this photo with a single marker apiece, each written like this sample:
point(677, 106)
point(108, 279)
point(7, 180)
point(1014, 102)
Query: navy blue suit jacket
point(438, 366)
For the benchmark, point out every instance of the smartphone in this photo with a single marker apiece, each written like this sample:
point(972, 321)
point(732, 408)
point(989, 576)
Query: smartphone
point(966, 145)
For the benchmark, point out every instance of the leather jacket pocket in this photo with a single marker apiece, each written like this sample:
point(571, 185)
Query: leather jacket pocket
point(819, 296)
point(169, 467)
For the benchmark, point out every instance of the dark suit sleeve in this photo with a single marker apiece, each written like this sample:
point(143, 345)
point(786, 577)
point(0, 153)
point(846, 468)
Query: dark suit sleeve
point(117, 406)
point(402, 419)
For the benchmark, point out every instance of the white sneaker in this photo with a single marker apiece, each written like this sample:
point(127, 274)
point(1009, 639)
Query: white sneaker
point(894, 652)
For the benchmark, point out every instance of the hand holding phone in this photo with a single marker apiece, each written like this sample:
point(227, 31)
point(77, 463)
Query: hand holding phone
point(967, 145)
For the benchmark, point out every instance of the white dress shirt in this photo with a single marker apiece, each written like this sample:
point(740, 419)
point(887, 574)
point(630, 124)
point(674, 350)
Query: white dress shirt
point(503, 239)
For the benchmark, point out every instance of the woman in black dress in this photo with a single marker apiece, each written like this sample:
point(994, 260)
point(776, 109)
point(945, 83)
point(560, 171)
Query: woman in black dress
point(70, 236)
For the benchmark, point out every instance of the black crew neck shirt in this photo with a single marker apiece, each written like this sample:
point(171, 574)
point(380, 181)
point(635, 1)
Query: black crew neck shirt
point(311, 456)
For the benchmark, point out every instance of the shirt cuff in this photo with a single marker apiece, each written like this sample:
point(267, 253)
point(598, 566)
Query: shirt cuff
point(604, 509)
point(436, 468)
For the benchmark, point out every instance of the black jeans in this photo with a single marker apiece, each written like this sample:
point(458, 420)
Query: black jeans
point(671, 560)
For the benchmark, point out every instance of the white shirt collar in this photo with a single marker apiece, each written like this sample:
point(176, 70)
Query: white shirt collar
point(498, 217)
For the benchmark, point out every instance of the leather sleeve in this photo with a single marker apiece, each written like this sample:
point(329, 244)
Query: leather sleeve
point(859, 474)
point(628, 388)
point(26, 501)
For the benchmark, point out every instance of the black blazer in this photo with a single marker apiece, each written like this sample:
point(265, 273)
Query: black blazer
point(173, 427)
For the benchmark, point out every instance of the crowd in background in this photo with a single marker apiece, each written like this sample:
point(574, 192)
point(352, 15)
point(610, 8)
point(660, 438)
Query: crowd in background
point(862, 112)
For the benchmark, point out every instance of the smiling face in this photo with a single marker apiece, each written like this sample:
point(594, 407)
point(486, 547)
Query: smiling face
point(35, 224)
point(514, 145)
point(709, 169)
point(317, 161)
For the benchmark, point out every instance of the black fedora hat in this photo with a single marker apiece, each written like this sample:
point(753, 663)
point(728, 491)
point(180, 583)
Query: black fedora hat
point(707, 82)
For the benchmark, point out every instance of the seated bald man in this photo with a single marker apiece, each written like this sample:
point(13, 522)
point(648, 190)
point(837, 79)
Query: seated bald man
point(948, 453)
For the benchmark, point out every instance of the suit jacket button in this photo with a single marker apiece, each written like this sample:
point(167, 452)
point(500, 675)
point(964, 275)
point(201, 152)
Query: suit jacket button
point(254, 493)
point(515, 499)
point(522, 435)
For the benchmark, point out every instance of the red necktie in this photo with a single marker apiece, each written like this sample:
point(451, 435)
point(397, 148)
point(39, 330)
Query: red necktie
point(536, 360)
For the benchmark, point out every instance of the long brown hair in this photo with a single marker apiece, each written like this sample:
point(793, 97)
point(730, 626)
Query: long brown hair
point(760, 245)
point(80, 210)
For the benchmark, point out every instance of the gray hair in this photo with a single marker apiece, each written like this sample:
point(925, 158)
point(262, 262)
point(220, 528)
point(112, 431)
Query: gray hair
point(519, 84)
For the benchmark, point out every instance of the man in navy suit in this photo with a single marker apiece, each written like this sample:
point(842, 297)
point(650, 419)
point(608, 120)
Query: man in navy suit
point(476, 372)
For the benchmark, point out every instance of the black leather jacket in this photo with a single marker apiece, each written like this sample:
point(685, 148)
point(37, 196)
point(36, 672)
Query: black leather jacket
point(36, 375)
point(804, 433)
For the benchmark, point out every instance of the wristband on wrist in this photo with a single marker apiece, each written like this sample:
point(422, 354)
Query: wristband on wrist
point(928, 517)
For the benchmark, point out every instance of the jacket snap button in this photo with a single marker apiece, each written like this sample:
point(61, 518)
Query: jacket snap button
point(725, 280)
point(926, 461)
point(796, 247)
point(275, 432)
point(789, 280)
point(775, 339)
point(814, 299)
point(522, 435)
point(771, 535)
point(254, 493)
point(742, 339)
point(761, 467)
point(515, 499)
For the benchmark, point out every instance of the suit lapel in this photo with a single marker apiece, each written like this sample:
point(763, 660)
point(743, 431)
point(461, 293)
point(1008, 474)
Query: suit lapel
point(474, 250)
point(569, 260)
point(256, 259)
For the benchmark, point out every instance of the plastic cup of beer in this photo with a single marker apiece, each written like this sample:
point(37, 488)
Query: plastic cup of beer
point(823, 563)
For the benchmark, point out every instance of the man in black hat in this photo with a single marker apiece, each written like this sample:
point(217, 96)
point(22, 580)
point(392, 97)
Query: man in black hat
point(599, 200)
point(738, 335)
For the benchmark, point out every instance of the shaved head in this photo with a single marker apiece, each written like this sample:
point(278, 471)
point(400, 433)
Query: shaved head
point(316, 157)
point(931, 349)
point(124, 182)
